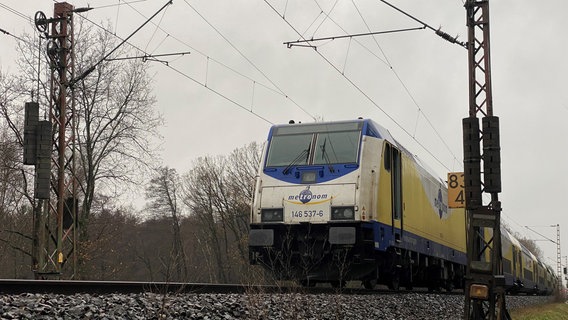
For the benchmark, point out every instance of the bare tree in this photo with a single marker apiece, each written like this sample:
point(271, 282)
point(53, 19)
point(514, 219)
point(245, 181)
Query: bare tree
point(108, 252)
point(218, 192)
point(532, 246)
point(162, 193)
point(116, 119)
point(234, 205)
point(199, 192)
point(16, 199)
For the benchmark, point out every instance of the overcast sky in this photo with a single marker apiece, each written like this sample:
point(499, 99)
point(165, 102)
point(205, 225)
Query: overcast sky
point(240, 77)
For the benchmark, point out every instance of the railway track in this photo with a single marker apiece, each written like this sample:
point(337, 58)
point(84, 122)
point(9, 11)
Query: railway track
point(49, 299)
point(19, 286)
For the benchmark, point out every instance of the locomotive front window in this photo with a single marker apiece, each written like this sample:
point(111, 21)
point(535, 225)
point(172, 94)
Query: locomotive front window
point(314, 145)
point(289, 149)
point(337, 147)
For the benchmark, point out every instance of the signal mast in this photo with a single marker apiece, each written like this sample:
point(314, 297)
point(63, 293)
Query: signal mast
point(51, 148)
point(485, 283)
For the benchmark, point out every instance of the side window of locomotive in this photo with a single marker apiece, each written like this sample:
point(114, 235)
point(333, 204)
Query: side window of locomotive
point(397, 183)
point(387, 157)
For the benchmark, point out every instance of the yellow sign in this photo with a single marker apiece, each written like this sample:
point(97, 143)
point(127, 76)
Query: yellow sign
point(456, 192)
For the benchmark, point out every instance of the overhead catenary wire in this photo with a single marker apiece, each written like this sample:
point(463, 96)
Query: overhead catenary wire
point(11, 35)
point(388, 63)
point(90, 69)
point(274, 88)
point(204, 84)
point(367, 96)
point(146, 55)
point(248, 60)
point(19, 14)
point(16, 12)
point(391, 67)
point(438, 31)
point(408, 91)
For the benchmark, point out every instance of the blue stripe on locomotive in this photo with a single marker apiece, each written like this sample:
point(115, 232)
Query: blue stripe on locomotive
point(384, 239)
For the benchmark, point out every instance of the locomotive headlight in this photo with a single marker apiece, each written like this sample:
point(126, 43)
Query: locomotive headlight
point(272, 215)
point(343, 213)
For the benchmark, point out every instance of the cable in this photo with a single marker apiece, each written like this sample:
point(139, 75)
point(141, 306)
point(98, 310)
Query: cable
point(89, 70)
point(248, 60)
point(19, 14)
point(16, 12)
point(154, 33)
point(180, 72)
point(220, 94)
point(11, 35)
point(407, 90)
point(438, 31)
point(277, 91)
point(361, 91)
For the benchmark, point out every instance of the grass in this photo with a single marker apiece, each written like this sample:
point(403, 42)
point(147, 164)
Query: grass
point(553, 311)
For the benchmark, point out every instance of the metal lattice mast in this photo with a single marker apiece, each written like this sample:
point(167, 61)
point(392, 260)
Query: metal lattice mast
point(558, 257)
point(56, 231)
point(485, 293)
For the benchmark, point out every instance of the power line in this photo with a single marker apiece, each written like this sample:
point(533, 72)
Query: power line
point(209, 58)
point(220, 94)
point(89, 70)
point(180, 72)
point(19, 14)
point(11, 35)
point(393, 70)
point(152, 57)
point(119, 4)
point(407, 90)
point(248, 60)
point(361, 91)
point(438, 31)
point(16, 12)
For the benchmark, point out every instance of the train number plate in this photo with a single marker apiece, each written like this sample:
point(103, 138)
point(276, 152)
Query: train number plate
point(312, 213)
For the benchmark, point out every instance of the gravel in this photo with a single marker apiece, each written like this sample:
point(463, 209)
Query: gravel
point(240, 306)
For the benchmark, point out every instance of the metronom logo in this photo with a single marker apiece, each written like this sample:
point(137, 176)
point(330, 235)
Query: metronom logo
point(306, 196)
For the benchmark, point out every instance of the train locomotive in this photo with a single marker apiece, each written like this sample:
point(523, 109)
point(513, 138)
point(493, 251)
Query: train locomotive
point(340, 201)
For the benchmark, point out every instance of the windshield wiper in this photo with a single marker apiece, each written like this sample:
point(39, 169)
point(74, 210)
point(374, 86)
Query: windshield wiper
point(325, 157)
point(305, 152)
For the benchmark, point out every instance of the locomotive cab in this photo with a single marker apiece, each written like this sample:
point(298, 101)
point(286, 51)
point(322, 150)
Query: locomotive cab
point(343, 201)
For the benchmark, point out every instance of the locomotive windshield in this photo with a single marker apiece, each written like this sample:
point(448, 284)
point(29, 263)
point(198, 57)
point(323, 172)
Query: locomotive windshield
point(318, 144)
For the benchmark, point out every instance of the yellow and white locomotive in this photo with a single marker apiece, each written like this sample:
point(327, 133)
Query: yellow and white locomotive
point(338, 201)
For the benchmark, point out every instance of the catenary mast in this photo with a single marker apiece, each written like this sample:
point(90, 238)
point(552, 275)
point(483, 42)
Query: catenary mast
point(484, 290)
point(55, 227)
